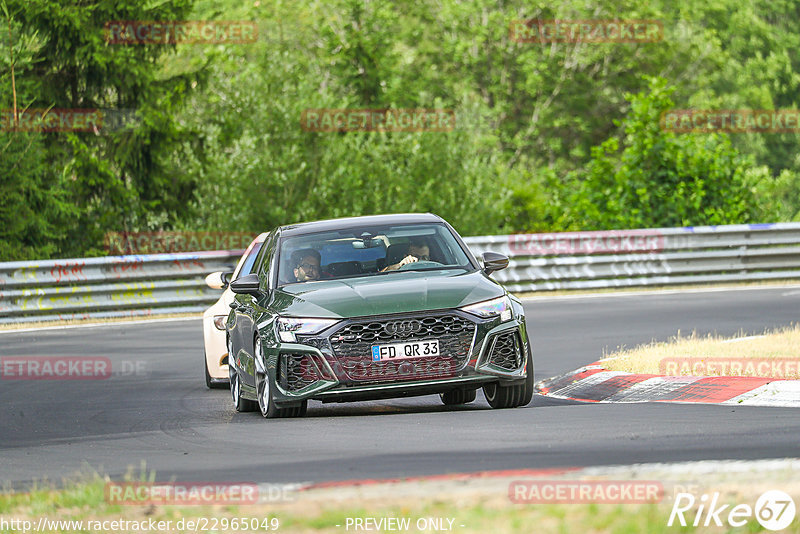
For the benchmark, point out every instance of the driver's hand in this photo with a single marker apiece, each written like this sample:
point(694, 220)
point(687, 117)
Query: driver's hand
point(408, 259)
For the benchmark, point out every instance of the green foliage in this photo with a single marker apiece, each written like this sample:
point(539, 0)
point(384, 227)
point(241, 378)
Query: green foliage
point(648, 177)
point(780, 196)
point(546, 138)
point(113, 180)
point(33, 210)
point(262, 169)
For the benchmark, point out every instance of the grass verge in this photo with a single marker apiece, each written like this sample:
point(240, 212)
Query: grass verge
point(471, 505)
point(773, 354)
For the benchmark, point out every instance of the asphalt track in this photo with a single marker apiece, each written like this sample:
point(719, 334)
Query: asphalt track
point(163, 417)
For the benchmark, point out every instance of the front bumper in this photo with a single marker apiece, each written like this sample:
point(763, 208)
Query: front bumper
point(318, 367)
point(216, 353)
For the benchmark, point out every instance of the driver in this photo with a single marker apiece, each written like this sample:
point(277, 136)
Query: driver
point(418, 250)
point(306, 264)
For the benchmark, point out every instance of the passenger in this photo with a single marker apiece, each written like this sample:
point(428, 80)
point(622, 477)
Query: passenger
point(306, 264)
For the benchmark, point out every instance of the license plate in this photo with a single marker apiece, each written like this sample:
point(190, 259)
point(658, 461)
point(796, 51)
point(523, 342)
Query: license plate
point(400, 351)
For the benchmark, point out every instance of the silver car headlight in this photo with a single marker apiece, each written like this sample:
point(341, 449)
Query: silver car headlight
point(499, 307)
point(289, 327)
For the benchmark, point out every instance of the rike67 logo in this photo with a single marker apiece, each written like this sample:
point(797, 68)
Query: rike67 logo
point(774, 510)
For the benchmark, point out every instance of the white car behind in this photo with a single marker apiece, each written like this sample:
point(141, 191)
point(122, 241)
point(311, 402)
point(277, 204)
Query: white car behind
point(216, 352)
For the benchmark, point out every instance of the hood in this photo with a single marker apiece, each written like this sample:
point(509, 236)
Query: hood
point(398, 292)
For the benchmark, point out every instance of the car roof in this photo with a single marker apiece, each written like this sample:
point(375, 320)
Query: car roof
point(355, 222)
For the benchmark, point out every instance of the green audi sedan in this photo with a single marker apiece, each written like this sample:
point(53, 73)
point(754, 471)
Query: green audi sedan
point(375, 307)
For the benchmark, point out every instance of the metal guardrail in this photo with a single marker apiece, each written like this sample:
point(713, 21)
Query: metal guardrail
point(115, 286)
point(660, 256)
point(173, 283)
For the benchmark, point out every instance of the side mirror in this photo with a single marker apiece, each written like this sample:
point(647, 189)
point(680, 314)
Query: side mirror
point(246, 285)
point(492, 261)
point(219, 279)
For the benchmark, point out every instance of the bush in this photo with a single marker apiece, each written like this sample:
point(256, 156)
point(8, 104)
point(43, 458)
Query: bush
point(649, 178)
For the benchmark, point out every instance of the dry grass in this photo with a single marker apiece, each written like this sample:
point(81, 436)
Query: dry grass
point(774, 354)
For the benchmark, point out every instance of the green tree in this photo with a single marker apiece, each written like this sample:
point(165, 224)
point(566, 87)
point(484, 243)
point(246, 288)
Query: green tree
point(259, 168)
point(545, 138)
point(116, 179)
point(33, 209)
point(648, 177)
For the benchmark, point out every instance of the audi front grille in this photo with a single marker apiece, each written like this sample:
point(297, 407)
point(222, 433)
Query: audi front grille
point(352, 347)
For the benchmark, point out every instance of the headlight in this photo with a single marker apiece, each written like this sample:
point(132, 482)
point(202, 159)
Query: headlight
point(219, 321)
point(289, 326)
point(491, 308)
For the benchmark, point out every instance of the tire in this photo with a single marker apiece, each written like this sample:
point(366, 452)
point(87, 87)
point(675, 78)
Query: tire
point(528, 395)
point(500, 396)
point(266, 403)
point(458, 396)
point(239, 403)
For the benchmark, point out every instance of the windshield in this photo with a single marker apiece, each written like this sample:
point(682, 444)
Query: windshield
point(369, 251)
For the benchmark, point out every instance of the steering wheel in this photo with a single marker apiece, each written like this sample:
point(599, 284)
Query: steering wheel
point(418, 264)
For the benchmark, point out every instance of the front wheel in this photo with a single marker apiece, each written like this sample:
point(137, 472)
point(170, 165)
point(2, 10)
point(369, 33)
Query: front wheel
point(266, 404)
point(501, 396)
point(240, 403)
point(458, 396)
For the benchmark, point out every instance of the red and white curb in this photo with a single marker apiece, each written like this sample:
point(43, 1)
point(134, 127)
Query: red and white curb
point(594, 383)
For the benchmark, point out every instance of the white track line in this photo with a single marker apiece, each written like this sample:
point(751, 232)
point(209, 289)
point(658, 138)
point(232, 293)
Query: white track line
point(661, 292)
point(784, 393)
point(702, 467)
point(95, 325)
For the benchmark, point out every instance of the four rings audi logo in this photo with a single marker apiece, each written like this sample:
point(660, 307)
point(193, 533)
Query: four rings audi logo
point(403, 328)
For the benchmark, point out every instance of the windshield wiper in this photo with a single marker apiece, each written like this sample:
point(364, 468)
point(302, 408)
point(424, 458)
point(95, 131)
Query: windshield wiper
point(443, 268)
